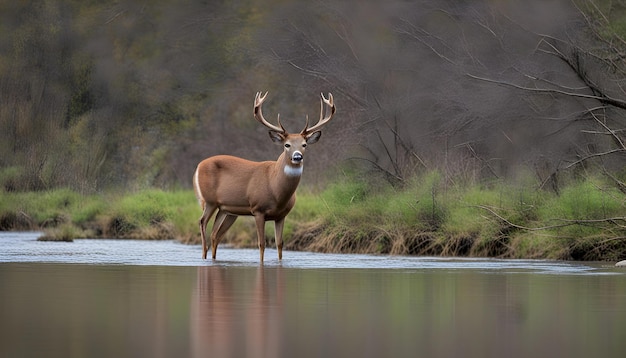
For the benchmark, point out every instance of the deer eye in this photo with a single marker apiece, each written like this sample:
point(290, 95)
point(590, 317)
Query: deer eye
point(303, 145)
point(287, 145)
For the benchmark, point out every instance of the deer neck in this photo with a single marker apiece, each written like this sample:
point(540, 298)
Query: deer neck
point(284, 167)
point(292, 171)
point(287, 175)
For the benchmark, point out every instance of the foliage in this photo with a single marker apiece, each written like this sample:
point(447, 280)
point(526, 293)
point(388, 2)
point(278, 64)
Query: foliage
point(95, 94)
point(432, 217)
point(429, 216)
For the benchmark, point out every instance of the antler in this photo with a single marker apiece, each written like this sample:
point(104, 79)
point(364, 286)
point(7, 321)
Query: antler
point(258, 114)
point(323, 119)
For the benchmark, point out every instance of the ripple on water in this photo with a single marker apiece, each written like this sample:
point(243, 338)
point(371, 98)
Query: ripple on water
point(24, 247)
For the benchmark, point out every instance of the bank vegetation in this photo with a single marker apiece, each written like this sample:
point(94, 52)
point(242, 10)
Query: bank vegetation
point(431, 216)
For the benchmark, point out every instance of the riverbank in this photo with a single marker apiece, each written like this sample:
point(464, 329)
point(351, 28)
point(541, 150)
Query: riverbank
point(585, 221)
point(428, 216)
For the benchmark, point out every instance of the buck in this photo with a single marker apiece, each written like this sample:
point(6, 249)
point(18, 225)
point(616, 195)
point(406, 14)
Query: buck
point(234, 186)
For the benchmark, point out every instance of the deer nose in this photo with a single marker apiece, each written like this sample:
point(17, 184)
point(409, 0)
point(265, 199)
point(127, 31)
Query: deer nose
point(296, 157)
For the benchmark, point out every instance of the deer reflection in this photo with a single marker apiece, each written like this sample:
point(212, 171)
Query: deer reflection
point(237, 312)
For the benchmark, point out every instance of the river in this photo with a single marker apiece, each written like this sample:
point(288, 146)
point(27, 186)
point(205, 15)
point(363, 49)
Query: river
point(120, 298)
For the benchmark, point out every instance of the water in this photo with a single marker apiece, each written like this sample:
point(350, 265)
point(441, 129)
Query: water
point(113, 298)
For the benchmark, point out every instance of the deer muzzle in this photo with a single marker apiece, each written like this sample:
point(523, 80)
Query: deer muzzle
point(296, 157)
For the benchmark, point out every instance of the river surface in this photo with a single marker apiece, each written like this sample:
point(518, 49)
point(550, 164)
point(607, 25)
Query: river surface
point(119, 298)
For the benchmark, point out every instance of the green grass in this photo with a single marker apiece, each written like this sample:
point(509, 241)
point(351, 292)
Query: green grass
point(582, 210)
point(585, 200)
point(428, 216)
point(155, 214)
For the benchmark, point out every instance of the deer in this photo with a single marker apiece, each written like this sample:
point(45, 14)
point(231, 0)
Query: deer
point(235, 187)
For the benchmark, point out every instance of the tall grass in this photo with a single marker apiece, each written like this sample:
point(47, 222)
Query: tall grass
point(429, 215)
point(41, 209)
point(148, 214)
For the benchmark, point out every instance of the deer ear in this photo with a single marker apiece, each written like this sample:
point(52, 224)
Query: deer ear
point(277, 137)
point(313, 137)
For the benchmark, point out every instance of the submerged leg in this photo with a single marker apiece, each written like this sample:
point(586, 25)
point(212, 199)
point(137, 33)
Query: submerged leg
point(278, 231)
point(260, 232)
point(223, 222)
point(207, 212)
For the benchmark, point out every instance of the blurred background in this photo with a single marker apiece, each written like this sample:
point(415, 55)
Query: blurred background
point(107, 94)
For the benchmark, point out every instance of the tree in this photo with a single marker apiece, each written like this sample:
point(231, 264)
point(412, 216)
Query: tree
point(473, 88)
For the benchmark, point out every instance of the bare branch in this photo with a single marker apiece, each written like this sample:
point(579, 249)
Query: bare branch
point(404, 145)
point(613, 133)
point(565, 222)
point(413, 35)
point(604, 98)
point(595, 155)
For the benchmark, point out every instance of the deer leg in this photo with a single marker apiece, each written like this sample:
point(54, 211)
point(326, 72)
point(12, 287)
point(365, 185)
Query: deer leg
point(220, 228)
point(217, 223)
point(204, 219)
point(278, 231)
point(260, 232)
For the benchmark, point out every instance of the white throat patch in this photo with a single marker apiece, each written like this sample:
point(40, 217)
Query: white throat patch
point(293, 172)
